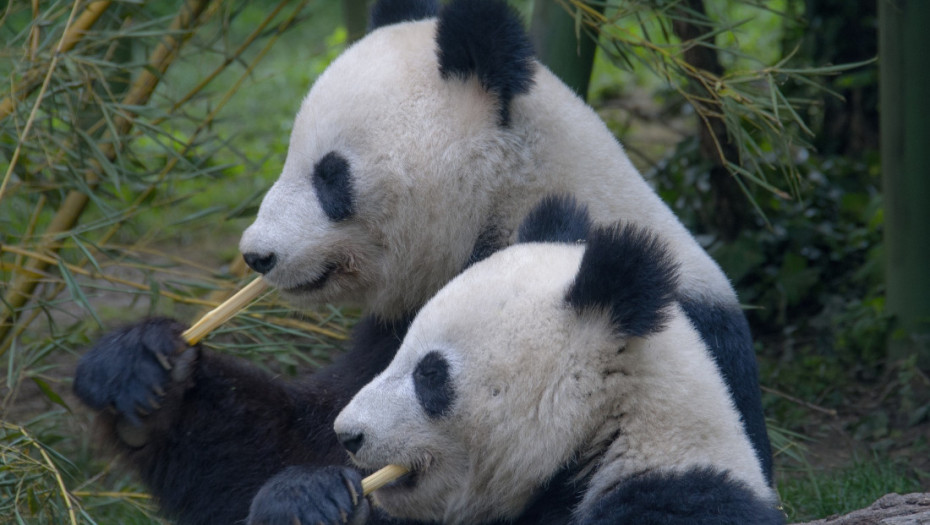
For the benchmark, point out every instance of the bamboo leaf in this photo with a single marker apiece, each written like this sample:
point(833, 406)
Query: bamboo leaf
point(50, 393)
point(77, 293)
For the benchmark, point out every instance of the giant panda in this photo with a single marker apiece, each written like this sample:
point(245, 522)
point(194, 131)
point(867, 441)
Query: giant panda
point(418, 151)
point(553, 382)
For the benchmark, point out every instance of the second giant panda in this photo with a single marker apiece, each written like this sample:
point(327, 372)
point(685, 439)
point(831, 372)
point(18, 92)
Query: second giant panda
point(551, 383)
point(417, 151)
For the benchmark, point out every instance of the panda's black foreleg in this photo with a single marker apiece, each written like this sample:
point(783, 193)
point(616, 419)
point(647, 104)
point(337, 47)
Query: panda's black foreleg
point(329, 495)
point(300, 494)
point(203, 431)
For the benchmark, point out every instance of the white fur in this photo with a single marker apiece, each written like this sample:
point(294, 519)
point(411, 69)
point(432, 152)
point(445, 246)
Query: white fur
point(528, 371)
point(431, 166)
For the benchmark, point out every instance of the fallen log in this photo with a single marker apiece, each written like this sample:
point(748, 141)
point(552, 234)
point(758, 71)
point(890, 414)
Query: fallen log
point(890, 509)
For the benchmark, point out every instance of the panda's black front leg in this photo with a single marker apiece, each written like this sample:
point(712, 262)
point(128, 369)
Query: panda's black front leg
point(307, 495)
point(131, 373)
point(203, 431)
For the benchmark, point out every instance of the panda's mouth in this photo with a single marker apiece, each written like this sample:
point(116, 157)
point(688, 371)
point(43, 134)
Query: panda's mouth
point(406, 481)
point(315, 284)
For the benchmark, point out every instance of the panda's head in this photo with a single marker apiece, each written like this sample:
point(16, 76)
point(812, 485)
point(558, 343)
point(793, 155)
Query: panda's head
point(391, 166)
point(499, 381)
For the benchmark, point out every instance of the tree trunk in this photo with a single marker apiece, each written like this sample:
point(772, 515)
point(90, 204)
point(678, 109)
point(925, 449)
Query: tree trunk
point(904, 81)
point(355, 17)
point(891, 509)
point(731, 210)
point(567, 52)
point(843, 32)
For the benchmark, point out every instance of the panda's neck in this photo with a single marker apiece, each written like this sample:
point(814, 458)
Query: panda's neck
point(556, 500)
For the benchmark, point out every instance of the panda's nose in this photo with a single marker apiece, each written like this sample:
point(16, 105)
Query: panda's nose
point(260, 263)
point(352, 442)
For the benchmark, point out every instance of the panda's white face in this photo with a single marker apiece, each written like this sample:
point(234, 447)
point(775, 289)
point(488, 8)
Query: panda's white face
point(380, 140)
point(486, 397)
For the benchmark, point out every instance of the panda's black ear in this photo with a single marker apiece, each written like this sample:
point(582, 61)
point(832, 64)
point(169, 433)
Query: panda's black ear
point(486, 38)
point(387, 12)
point(557, 218)
point(630, 273)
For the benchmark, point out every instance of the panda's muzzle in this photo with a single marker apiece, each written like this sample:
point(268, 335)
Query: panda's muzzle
point(353, 442)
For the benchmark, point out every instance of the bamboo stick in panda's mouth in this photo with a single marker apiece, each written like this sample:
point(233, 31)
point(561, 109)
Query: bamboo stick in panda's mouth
point(224, 312)
point(382, 478)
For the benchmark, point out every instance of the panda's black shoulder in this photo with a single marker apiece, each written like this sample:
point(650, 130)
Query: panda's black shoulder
point(713, 498)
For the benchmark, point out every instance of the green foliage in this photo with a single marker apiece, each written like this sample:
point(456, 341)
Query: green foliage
point(811, 276)
point(815, 493)
point(127, 175)
point(752, 95)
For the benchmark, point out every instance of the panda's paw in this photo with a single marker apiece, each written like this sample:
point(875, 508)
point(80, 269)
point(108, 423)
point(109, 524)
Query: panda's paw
point(130, 371)
point(308, 495)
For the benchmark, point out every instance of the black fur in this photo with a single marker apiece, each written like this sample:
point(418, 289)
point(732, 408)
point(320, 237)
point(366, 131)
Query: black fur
point(230, 427)
point(433, 385)
point(557, 218)
point(696, 497)
point(486, 38)
point(554, 503)
point(131, 383)
point(726, 333)
point(333, 184)
point(629, 272)
point(490, 240)
point(387, 12)
point(307, 495)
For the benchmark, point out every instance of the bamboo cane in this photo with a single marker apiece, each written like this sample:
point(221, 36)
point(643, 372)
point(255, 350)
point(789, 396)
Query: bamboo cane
point(225, 311)
point(382, 478)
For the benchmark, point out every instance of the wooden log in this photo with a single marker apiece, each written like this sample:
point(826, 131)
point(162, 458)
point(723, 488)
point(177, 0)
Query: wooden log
point(890, 509)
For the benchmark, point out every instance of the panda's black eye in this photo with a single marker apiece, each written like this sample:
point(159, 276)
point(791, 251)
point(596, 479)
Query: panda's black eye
point(333, 185)
point(433, 385)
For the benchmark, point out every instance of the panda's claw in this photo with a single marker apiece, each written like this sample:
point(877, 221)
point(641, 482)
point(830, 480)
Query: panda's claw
point(129, 372)
point(163, 361)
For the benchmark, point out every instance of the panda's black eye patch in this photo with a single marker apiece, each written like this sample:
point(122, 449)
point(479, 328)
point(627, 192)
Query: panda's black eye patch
point(432, 384)
point(333, 185)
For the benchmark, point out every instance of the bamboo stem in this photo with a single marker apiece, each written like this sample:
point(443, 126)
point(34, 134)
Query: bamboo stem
point(382, 478)
point(72, 35)
point(76, 200)
point(225, 311)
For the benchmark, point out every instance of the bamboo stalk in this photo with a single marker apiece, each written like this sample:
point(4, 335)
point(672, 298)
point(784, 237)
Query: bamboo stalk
point(382, 478)
point(69, 39)
point(225, 311)
point(76, 201)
